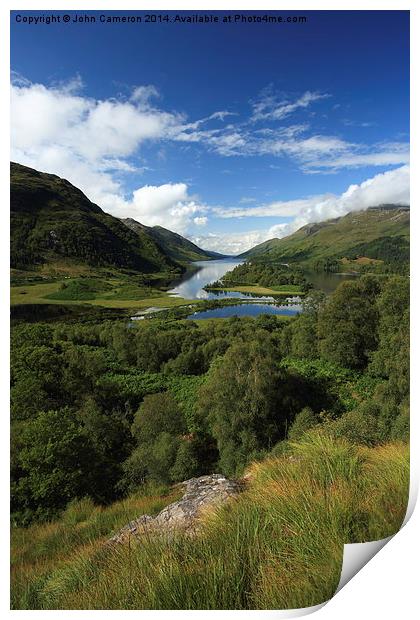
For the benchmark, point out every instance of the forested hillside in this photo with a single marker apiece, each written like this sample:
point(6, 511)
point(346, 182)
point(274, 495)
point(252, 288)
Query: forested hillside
point(112, 405)
point(52, 221)
point(356, 240)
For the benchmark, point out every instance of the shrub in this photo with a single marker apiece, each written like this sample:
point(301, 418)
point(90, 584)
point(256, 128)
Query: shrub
point(304, 421)
point(357, 426)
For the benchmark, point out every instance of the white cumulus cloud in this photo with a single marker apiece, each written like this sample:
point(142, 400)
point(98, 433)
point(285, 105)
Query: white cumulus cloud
point(87, 141)
point(392, 187)
point(167, 205)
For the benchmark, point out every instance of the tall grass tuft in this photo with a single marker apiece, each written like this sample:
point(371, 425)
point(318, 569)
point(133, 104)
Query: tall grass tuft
point(277, 545)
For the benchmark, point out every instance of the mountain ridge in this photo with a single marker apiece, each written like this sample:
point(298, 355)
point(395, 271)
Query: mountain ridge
point(53, 221)
point(179, 248)
point(375, 233)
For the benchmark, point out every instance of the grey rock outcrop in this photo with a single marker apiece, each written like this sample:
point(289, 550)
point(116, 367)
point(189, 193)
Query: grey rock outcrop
point(183, 515)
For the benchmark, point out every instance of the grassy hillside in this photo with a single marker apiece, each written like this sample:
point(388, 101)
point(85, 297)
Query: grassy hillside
point(53, 222)
point(107, 292)
point(279, 545)
point(174, 245)
point(379, 233)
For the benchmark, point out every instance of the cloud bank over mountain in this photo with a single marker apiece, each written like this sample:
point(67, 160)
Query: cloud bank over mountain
point(107, 146)
point(391, 187)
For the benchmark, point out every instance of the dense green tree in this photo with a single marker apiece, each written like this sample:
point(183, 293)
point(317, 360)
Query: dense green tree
point(158, 413)
point(157, 428)
point(391, 360)
point(107, 429)
point(304, 339)
point(36, 373)
point(187, 463)
point(242, 402)
point(400, 428)
point(33, 334)
point(28, 396)
point(393, 307)
point(83, 365)
point(348, 324)
point(56, 459)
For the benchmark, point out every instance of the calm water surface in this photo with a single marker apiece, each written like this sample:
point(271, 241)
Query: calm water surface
point(190, 286)
point(327, 282)
point(252, 309)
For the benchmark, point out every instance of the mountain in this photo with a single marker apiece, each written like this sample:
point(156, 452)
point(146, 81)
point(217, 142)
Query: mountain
point(378, 233)
point(176, 246)
point(53, 222)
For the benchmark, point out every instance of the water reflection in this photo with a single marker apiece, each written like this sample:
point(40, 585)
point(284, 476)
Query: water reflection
point(191, 285)
point(328, 282)
point(248, 309)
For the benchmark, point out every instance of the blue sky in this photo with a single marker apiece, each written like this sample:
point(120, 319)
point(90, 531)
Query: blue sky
point(227, 133)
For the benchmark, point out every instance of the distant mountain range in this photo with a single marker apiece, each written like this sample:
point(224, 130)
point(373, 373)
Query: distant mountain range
point(177, 247)
point(53, 222)
point(378, 233)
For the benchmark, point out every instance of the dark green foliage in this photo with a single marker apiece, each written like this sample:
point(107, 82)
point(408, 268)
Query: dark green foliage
point(159, 413)
point(56, 462)
point(401, 427)
point(391, 359)
point(51, 219)
point(327, 386)
point(187, 461)
point(242, 399)
point(157, 428)
point(83, 365)
point(394, 251)
point(303, 337)
point(108, 430)
point(253, 272)
point(393, 306)
point(348, 323)
point(300, 337)
point(35, 371)
point(330, 265)
point(304, 421)
point(117, 406)
point(155, 347)
point(359, 426)
point(151, 462)
point(32, 313)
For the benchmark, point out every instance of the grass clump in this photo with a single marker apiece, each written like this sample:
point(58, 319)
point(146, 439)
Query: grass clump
point(278, 545)
point(73, 544)
point(81, 289)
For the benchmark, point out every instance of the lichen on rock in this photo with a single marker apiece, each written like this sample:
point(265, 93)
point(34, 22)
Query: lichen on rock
point(183, 515)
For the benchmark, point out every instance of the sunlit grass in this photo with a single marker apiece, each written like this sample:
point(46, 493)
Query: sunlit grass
point(277, 545)
point(121, 296)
